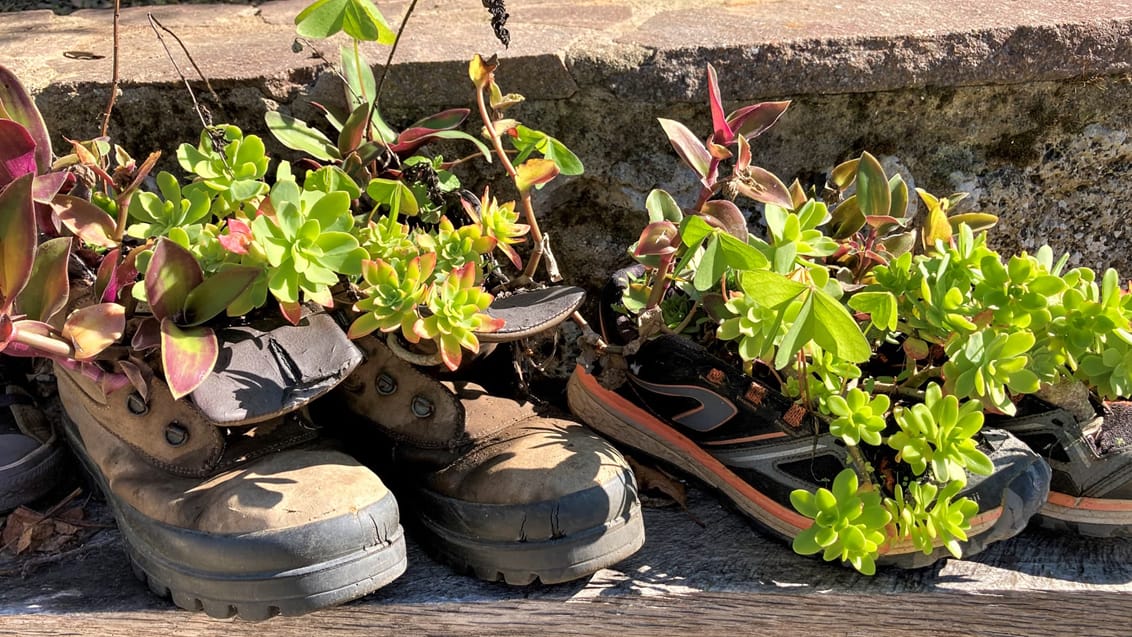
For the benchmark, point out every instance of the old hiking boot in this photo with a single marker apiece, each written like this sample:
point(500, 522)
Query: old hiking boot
point(491, 486)
point(229, 500)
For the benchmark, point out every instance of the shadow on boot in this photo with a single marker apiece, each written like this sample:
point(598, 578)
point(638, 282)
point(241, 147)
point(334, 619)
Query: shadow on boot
point(491, 486)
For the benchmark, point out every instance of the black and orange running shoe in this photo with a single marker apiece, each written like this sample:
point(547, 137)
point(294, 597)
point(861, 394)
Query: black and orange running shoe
point(683, 405)
point(1091, 458)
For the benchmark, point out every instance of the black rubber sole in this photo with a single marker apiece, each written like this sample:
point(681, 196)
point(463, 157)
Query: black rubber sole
point(259, 591)
point(1022, 494)
point(36, 476)
point(552, 561)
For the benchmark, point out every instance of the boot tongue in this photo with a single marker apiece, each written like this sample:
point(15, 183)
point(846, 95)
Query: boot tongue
point(532, 312)
point(270, 367)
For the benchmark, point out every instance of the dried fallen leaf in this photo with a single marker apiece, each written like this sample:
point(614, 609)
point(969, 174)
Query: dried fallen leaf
point(650, 478)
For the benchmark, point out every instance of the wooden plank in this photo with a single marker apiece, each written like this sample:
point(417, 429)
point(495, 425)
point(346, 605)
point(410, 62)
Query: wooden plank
point(721, 577)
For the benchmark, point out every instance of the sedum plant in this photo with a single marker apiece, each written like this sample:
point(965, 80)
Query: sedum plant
point(900, 336)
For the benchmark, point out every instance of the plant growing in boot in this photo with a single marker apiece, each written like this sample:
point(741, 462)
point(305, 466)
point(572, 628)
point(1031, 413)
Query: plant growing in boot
point(882, 359)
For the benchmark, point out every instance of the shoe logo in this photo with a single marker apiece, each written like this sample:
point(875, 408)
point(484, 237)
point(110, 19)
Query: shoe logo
point(713, 410)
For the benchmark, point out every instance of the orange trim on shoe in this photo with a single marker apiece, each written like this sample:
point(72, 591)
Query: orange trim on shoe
point(635, 414)
point(1088, 504)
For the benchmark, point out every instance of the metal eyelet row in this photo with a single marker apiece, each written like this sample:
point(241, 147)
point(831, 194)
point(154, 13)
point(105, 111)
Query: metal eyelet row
point(421, 407)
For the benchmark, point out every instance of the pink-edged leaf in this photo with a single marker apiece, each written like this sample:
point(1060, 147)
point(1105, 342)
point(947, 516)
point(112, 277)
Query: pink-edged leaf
point(187, 356)
point(743, 162)
point(293, 312)
point(721, 130)
point(238, 237)
point(17, 104)
point(657, 239)
point(217, 292)
point(718, 152)
point(444, 120)
point(17, 152)
point(48, 286)
point(690, 149)
point(86, 220)
point(105, 280)
point(534, 172)
point(139, 374)
point(94, 328)
point(752, 121)
point(147, 336)
point(490, 325)
point(450, 351)
point(17, 239)
point(172, 273)
point(728, 216)
point(761, 185)
point(512, 254)
point(413, 138)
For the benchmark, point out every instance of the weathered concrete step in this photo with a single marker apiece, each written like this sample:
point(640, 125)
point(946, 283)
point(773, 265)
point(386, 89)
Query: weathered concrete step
point(705, 571)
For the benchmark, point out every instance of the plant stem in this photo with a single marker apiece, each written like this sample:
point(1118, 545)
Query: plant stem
point(45, 344)
point(388, 62)
point(860, 464)
point(528, 208)
point(898, 390)
point(660, 283)
point(113, 73)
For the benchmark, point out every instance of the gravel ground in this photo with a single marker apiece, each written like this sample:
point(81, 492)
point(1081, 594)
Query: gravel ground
point(68, 6)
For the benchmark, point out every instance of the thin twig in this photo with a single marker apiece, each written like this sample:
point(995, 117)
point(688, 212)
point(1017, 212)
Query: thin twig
point(153, 24)
point(389, 59)
point(114, 72)
point(185, 50)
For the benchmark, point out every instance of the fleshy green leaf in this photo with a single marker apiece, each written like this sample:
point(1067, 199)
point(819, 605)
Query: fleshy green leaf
point(48, 287)
point(662, 207)
point(216, 293)
point(838, 332)
point(297, 135)
point(873, 194)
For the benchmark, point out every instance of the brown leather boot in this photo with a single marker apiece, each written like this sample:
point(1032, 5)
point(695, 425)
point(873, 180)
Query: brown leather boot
point(230, 500)
point(492, 487)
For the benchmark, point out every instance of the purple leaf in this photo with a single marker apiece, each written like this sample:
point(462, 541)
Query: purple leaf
point(17, 151)
point(659, 238)
point(147, 335)
point(18, 105)
point(721, 130)
point(690, 149)
point(187, 356)
point(752, 121)
point(761, 185)
point(47, 186)
point(728, 216)
point(6, 331)
point(86, 220)
point(139, 375)
point(173, 272)
point(353, 130)
point(444, 120)
point(17, 239)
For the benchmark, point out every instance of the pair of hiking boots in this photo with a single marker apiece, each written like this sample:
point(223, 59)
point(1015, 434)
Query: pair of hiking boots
point(236, 501)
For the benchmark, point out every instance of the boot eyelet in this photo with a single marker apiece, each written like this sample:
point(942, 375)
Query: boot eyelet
point(386, 385)
point(176, 434)
point(422, 407)
point(137, 405)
